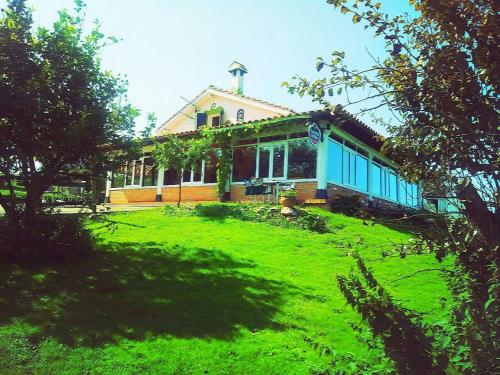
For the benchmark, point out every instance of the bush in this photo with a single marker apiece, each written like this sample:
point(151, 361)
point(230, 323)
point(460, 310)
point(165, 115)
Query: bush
point(50, 237)
point(246, 212)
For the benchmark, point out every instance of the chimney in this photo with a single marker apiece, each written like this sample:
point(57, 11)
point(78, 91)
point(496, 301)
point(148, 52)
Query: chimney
point(237, 71)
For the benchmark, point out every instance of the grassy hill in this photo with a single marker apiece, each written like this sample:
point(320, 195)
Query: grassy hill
point(191, 294)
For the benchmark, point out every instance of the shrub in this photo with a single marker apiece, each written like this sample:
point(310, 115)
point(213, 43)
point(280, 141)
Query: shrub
point(288, 194)
point(49, 237)
point(246, 212)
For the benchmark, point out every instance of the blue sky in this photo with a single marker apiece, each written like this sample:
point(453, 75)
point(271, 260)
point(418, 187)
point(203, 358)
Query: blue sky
point(173, 48)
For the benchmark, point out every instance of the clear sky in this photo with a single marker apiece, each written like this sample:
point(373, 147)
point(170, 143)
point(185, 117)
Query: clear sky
point(173, 48)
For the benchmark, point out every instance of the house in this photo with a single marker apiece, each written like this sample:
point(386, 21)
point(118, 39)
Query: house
point(323, 155)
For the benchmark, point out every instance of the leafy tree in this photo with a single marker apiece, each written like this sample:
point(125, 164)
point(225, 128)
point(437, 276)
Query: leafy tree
point(441, 80)
point(181, 155)
point(58, 108)
point(150, 126)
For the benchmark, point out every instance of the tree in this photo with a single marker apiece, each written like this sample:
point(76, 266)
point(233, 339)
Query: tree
point(182, 155)
point(58, 108)
point(441, 80)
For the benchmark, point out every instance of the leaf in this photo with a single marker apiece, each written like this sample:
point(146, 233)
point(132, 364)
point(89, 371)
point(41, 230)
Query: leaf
point(344, 9)
point(377, 5)
point(339, 91)
point(319, 65)
point(330, 91)
point(356, 18)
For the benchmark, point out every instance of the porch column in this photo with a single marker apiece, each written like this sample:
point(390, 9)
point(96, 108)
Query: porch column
point(322, 167)
point(109, 176)
point(159, 184)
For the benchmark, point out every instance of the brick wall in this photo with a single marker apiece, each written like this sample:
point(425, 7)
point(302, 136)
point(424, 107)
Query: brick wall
point(189, 193)
point(305, 190)
point(124, 196)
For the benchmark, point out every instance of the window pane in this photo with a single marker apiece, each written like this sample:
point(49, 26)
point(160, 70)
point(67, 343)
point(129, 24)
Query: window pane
point(402, 191)
point(334, 162)
point(118, 178)
point(216, 121)
point(278, 160)
point(361, 173)
point(244, 162)
point(137, 172)
point(186, 176)
point(376, 180)
point(150, 173)
point(393, 186)
point(170, 177)
point(345, 172)
point(211, 168)
point(301, 159)
point(352, 169)
point(130, 173)
point(197, 174)
point(264, 157)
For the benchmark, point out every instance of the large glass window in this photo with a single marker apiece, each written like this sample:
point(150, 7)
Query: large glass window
point(335, 162)
point(264, 161)
point(301, 159)
point(130, 173)
point(137, 172)
point(186, 176)
point(376, 179)
point(244, 162)
point(133, 173)
point(170, 177)
point(279, 161)
point(361, 173)
point(150, 173)
point(211, 168)
point(118, 177)
point(393, 186)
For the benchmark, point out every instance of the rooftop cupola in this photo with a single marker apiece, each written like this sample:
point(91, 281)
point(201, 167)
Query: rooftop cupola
point(237, 71)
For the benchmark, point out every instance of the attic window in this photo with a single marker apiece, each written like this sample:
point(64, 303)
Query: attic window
point(240, 115)
point(215, 121)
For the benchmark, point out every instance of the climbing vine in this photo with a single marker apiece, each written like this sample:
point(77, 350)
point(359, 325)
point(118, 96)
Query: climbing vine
point(223, 163)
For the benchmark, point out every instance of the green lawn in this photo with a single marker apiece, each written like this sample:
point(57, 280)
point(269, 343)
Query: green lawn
point(201, 295)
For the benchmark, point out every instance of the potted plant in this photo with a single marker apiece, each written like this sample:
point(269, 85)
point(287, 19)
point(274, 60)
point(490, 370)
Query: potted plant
point(288, 198)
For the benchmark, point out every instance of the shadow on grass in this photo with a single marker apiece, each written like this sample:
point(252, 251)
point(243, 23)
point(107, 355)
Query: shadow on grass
point(137, 291)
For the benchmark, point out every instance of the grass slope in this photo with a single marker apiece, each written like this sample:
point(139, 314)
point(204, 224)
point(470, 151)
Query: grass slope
point(201, 295)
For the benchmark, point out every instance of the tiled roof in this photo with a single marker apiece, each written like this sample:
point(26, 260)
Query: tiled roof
point(348, 123)
point(251, 98)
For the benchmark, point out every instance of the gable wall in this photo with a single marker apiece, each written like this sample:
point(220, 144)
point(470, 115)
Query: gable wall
point(231, 107)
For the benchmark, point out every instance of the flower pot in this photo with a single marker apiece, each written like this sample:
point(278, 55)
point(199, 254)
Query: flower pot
point(287, 201)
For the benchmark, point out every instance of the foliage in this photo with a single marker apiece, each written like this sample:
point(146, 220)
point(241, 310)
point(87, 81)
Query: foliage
point(51, 237)
point(248, 212)
point(288, 193)
point(224, 159)
point(181, 154)
point(441, 80)
point(220, 295)
point(58, 107)
point(150, 126)
point(402, 331)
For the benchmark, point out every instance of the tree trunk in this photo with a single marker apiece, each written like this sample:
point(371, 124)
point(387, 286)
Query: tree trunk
point(93, 195)
point(180, 191)
point(478, 213)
